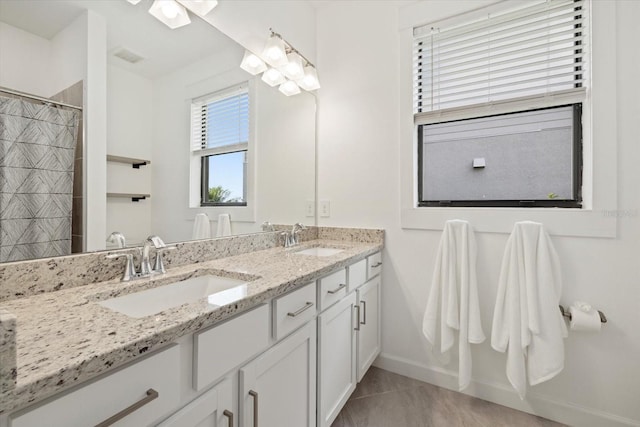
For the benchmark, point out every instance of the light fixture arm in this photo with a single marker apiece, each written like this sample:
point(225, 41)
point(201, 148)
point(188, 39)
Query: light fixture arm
point(289, 48)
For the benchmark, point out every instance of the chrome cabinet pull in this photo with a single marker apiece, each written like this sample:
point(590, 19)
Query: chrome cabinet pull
point(254, 394)
point(151, 395)
point(378, 264)
point(229, 415)
point(364, 312)
point(336, 290)
point(357, 328)
point(296, 313)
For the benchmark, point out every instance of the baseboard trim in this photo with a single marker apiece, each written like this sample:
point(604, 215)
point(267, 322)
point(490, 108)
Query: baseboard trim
point(563, 412)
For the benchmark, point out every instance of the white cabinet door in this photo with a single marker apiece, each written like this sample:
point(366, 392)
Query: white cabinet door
point(369, 333)
point(214, 408)
point(336, 358)
point(278, 388)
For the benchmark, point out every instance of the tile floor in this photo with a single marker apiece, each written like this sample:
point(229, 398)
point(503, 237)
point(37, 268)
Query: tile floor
point(384, 399)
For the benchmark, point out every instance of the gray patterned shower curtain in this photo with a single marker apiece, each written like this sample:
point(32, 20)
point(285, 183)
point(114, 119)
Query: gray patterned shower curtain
point(37, 146)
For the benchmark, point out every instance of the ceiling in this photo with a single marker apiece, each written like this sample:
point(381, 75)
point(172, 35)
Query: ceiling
point(128, 26)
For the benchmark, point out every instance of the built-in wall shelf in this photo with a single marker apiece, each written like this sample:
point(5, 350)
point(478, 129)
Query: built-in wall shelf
point(132, 196)
point(135, 163)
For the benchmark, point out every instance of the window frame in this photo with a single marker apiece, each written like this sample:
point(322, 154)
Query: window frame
point(577, 163)
point(600, 134)
point(199, 166)
point(204, 182)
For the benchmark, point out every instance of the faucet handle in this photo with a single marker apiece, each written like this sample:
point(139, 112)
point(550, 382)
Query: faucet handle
point(159, 264)
point(156, 241)
point(129, 270)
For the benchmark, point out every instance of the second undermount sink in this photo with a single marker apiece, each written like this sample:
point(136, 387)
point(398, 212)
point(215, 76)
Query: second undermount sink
point(319, 251)
point(218, 291)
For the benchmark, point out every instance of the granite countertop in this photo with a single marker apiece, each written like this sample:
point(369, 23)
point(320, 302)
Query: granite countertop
point(65, 337)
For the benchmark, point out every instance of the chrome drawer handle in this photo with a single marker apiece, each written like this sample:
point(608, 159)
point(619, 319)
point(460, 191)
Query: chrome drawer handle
point(254, 394)
point(357, 328)
point(229, 415)
point(364, 312)
point(377, 264)
point(151, 395)
point(306, 306)
point(336, 290)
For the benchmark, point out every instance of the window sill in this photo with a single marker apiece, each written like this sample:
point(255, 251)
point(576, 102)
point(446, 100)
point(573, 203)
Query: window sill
point(557, 221)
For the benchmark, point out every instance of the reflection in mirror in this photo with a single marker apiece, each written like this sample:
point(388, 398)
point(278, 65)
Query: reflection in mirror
point(195, 146)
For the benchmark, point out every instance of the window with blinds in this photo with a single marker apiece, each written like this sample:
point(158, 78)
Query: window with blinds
point(498, 101)
point(220, 137)
point(537, 49)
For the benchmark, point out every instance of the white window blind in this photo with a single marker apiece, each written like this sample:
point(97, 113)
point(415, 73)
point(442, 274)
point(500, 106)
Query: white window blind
point(220, 122)
point(537, 49)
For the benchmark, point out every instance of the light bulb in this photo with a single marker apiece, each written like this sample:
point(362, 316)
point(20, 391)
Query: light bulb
point(273, 77)
point(252, 64)
point(170, 13)
point(310, 80)
point(294, 68)
point(275, 52)
point(170, 9)
point(289, 88)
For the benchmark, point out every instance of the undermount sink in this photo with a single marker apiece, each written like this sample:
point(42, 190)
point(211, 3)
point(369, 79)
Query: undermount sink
point(218, 291)
point(318, 251)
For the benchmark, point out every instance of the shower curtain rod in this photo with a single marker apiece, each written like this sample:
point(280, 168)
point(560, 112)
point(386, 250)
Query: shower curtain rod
point(38, 98)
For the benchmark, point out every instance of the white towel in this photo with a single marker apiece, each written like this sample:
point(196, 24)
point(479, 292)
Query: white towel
point(224, 225)
point(201, 227)
point(526, 316)
point(453, 303)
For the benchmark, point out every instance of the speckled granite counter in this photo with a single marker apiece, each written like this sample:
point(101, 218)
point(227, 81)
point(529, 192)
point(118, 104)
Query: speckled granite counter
point(65, 338)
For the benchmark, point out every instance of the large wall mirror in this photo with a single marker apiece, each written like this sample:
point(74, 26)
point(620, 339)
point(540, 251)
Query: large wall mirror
point(159, 96)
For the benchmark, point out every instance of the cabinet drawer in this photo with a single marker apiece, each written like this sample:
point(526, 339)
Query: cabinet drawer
point(357, 275)
point(332, 289)
point(293, 310)
point(219, 349)
point(374, 265)
point(113, 394)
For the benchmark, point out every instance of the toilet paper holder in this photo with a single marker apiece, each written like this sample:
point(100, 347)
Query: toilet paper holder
point(567, 314)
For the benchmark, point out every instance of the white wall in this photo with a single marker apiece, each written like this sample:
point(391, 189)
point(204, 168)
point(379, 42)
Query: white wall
point(95, 122)
point(129, 134)
point(359, 168)
point(15, 46)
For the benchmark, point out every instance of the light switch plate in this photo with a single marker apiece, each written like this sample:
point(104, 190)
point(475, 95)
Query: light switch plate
point(325, 208)
point(310, 208)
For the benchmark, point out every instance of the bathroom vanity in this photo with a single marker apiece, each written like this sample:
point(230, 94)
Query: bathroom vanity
point(287, 350)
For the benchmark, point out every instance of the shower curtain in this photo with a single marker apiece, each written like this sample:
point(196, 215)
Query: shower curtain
point(37, 147)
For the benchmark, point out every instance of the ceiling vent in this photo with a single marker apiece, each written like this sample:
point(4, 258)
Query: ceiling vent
point(127, 55)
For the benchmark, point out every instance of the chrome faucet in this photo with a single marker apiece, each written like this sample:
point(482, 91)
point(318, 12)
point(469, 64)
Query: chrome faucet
point(145, 262)
point(161, 247)
point(291, 238)
point(117, 238)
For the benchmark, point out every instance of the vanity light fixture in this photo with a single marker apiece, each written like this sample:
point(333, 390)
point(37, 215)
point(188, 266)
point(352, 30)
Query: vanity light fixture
point(170, 13)
point(294, 68)
point(289, 88)
point(275, 52)
point(273, 77)
point(286, 61)
point(252, 63)
point(310, 80)
point(199, 7)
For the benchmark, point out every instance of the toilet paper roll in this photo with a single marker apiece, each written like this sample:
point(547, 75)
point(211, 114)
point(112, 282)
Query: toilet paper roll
point(583, 319)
